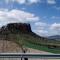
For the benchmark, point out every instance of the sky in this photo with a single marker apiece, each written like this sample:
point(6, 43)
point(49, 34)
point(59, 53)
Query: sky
point(43, 15)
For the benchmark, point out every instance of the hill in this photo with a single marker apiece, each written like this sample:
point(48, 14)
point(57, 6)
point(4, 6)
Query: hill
point(22, 34)
point(55, 37)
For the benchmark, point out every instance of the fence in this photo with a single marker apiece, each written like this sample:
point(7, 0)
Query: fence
point(21, 56)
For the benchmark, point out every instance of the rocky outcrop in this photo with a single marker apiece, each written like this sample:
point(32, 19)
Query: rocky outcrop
point(16, 28)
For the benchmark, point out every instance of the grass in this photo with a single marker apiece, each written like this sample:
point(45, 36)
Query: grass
point(42, 48)
point(35, 42)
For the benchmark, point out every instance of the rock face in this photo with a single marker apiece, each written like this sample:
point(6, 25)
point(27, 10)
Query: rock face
point(9, 47)
point(16, 28)
point(19, 27)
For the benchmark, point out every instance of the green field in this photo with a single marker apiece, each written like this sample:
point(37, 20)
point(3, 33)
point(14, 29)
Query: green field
point(42, 48)
point(36, 43)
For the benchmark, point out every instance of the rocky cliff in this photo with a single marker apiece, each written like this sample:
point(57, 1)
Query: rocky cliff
point(16, 28)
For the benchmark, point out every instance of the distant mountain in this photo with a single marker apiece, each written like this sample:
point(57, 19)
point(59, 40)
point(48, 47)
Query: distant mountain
point(55, 37)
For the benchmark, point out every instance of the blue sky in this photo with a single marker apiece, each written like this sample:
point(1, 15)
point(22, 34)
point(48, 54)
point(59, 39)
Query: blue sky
point(43, 15)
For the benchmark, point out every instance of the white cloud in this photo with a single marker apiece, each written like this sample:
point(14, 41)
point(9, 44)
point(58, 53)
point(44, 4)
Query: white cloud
point(7, 1)
point(55, 17)
point(40, 24)
point(29, 2)
point(40, 28)
point(23, 1)
point(33, 1)
point(41, 32)
point(44, 29)
point(51, 1)
point(55, 27)
point(17, 16)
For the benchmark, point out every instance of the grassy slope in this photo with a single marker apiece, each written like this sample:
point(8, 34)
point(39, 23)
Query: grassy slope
point(35, 42)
